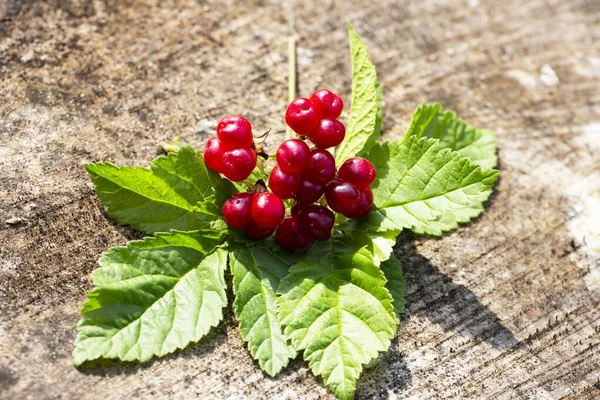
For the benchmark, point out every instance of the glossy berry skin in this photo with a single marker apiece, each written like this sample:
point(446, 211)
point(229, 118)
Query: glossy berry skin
point(364, 206)
point(235, 132)
point(321, 167)
point(257, 232)
point(289, 234)
point(301, 116)
point(238, 164)
point(283, 185)
point(328, 133)
point(327, 104)
point(316, 221)
point(236, 210)
point(213, 154)
point(292, 156)
point(358, 171)
point(267, 210)
point(342, 197)
point(309, 192)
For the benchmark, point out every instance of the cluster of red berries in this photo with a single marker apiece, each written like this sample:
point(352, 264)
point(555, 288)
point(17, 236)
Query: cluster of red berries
point(302, 174)
point(232, 151)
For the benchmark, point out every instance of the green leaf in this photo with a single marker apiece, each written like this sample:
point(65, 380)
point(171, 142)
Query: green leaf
point(364, 126)
point(431, 120)
point(380, 245)
point(152, 297)
point(335, 307)
point(417, 181)
point(479, 145)
point(256, 275)
point(178, 192)
point(395, 283)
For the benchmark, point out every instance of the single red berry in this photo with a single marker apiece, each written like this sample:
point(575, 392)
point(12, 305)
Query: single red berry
point(238, 164)
point(301, 116)
point(309, 192)
point(364, 206)
point(358, 171)
point(283, 185)
point(316, 221)
point(235, 132)
point(236, 210)
point(213, 154)
point(321, 167)
point(267, 210)
point(289, 234)
point(257, 232)
point(342, 196)
point(292, 156)
point(328, 133)
point(327, 104)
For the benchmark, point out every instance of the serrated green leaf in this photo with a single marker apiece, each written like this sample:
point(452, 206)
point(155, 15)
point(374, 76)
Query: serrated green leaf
point(431, 120)
point(395, 284)
point(178, 192)
point(364, 126)
point(335, 307)
point(152, 297)
point(416, 182)
point(380, 245)
point(256, 275)
point(479, 145)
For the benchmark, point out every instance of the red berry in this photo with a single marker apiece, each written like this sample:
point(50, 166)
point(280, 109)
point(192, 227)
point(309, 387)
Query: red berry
point(213, 154)
point(238, 164)
point(309, 192)
point(301, 116)
point(292, 155)
point(327, 104)
point(321, 167)
point(364, 206)
point(257, 232)
point(358, 171)
point(316, 221)
point(235, 132)
point(267, 210)
point(289, 234)
point(236, 210)
point(283, 185)
point(328, 133)
point(342, 196)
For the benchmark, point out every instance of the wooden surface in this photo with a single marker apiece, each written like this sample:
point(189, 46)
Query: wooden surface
point(504, 308)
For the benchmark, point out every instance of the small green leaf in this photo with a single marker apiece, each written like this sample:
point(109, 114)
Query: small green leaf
point(380, 245)
point(364, 126)
point(395, 283)
point(431, 120)
point(335, 306)
point(417, 181)
point(165, 197)
point(256, 275)
point(479, 145)
point(152, 297)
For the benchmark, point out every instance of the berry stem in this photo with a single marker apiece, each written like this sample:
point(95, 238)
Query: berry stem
point(291, 77)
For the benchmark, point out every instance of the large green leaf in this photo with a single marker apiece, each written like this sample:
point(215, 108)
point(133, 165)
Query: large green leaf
point(431, 120)
point(417, 181)
point(256, 275)
point(335, 306)
point(152, 297)
point(364, 126)
point(380, 245)
point(479, 145)
point(395, 283)
point(178, 192)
